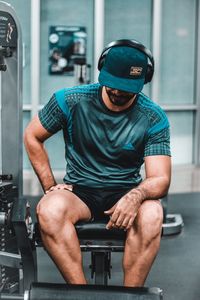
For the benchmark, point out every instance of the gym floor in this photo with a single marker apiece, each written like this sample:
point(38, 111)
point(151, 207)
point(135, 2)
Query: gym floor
point(177, 266)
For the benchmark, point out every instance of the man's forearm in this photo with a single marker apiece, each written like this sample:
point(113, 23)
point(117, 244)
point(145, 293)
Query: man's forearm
point(40, 162)
point(151, 188)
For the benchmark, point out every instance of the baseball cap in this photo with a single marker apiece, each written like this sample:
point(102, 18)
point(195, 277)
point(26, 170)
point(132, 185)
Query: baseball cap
point(124, 69)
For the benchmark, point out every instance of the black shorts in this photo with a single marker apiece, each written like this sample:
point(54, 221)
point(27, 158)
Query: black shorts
point(99, 200)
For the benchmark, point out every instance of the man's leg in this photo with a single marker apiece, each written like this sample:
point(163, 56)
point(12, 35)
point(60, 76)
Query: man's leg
point(142, 243)
point(57, 213)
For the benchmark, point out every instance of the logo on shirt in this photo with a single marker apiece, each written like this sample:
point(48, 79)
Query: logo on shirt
point(128, 146)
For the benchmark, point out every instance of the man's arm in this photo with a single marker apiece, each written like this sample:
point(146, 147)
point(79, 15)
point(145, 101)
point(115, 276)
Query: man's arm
point(155, 186)
point(158, 177)
point(34, 137)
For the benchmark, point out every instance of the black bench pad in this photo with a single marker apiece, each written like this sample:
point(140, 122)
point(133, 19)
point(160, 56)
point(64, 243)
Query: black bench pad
point(46, 291)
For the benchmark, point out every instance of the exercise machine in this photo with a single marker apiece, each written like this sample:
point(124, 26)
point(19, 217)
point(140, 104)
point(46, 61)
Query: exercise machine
point(10, 138)
point(172, 223)
point(82, 70)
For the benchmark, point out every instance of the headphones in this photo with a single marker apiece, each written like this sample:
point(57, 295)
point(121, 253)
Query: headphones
point(133, 44)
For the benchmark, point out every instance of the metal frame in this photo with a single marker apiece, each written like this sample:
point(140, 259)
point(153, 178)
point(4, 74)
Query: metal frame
point(11, 260)
point(12, 109)
point(156, 43)
point(25, 244)
point(35, 74)
point(197, 93)
point(98, 33)
point(101, 250)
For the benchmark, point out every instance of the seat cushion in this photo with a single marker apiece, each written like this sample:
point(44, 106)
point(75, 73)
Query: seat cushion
point(97, 230)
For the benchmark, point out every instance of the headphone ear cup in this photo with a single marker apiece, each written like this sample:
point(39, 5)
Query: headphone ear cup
point(149, 73)
point(101, 62)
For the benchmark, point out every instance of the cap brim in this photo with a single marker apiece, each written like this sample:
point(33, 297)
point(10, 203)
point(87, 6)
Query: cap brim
point(127, 85)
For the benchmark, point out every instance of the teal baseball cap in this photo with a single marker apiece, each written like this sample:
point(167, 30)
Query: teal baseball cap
point(124, 69)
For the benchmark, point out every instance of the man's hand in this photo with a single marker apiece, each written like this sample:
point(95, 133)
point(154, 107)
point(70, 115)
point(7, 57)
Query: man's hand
point(61, 186)
point(123, 213)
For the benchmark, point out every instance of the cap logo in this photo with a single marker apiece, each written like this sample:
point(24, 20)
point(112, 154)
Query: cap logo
point(136, 71)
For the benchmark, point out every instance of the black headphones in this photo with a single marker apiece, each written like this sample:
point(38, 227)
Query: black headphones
point(134, 44)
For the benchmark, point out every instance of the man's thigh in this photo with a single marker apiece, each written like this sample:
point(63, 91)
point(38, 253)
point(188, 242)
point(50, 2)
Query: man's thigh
point(63, 204)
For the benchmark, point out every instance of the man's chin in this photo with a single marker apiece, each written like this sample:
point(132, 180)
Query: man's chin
point(119, 102)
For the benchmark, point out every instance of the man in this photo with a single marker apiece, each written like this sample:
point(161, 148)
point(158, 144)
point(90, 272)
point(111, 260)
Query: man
point(109, 130)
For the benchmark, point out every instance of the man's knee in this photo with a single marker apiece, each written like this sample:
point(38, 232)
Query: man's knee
point(52, 212)
point(148, 223)
point(150, 218)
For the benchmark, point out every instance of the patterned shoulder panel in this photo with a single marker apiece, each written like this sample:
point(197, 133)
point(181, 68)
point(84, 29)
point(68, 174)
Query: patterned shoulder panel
point(69, 97)
point(156, 116)
point(51, 116)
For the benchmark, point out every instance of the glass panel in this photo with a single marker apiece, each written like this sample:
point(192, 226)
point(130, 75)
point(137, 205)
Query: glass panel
point(26, 120)
point(181, 136)
point(62, 13)
point(128, 21)
point(178, 52)
point(23, 11)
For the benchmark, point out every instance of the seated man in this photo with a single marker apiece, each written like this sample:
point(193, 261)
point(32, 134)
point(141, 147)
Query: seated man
point(110, 129)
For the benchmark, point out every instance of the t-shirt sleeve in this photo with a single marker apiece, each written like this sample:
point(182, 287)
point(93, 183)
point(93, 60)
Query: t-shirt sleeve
point(51, 116)
point(158, 137)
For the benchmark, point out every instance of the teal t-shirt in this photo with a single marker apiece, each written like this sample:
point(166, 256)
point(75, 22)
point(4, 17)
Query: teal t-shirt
point(103, 148)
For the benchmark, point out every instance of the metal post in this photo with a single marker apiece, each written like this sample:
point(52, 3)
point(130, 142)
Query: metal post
point(11, 94)
point(197, 93)
point(98, 34)
point(35, 75)
point(11, 132)
point(0, 136)
point(156, 43)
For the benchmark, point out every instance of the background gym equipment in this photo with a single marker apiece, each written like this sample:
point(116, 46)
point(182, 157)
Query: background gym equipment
point(82, 71)
point(11, 144)
point(11, 95)
point(172, 223)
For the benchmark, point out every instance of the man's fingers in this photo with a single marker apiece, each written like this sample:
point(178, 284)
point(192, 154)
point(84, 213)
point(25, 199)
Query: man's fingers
point(109, 225)
point(110, 211)
point(119, 221)
point(130, 223)
point(63, 187)
point(112, 221)
point(107, 212)
point(125, 223)
point(68, 187)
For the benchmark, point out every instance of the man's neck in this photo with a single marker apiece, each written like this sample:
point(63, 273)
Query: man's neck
point(111, 105)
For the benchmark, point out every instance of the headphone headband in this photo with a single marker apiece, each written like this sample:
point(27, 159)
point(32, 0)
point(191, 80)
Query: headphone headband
point(130, 43)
